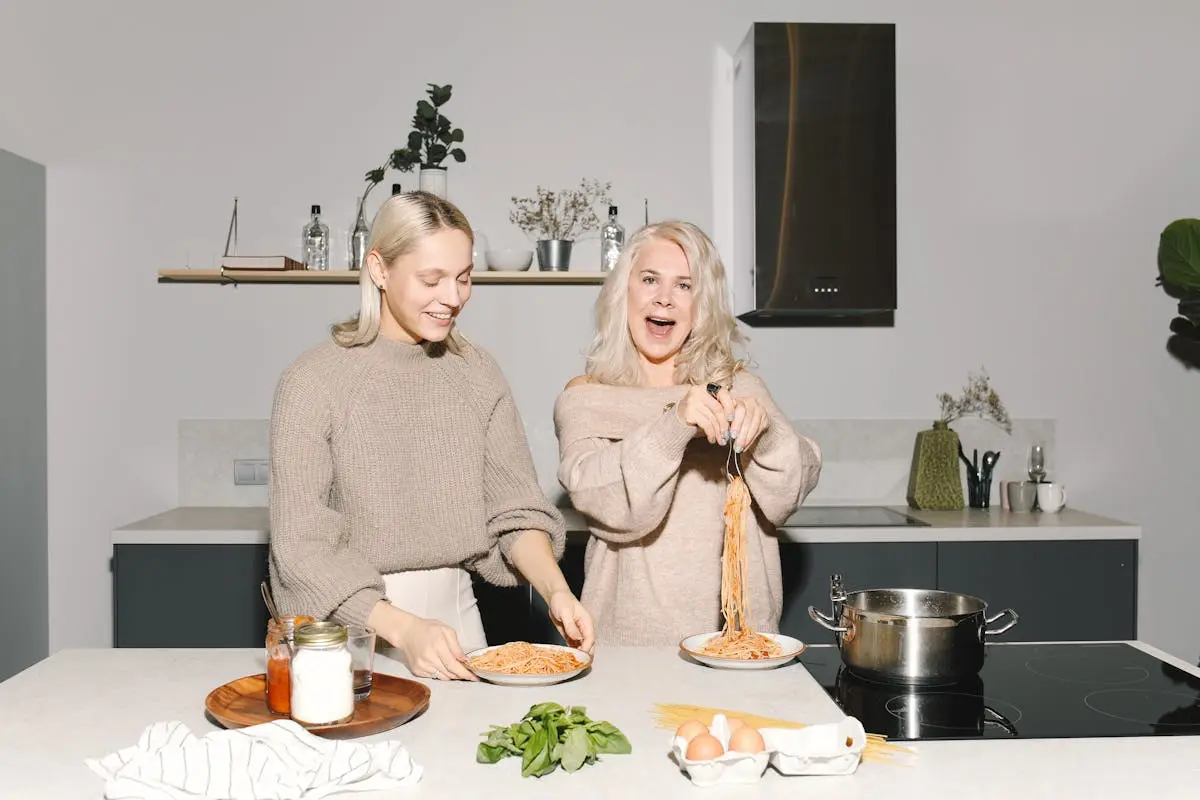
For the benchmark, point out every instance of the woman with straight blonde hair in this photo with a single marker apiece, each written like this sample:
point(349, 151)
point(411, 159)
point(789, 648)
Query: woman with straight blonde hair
point(644, 436)
point(399, 461)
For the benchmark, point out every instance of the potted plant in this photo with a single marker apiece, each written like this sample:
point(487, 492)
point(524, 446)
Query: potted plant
point(934, 480)
point(1179, 275)
point(556, 219)
point(431, 141)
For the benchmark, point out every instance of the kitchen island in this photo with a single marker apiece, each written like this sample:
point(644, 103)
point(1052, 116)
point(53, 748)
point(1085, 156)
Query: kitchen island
point(78, 704)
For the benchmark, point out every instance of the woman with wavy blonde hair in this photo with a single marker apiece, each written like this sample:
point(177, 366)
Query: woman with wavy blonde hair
point(399, 461)
point(644, 435)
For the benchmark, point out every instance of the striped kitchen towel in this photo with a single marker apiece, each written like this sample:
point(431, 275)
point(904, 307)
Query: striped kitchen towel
point(277, 760)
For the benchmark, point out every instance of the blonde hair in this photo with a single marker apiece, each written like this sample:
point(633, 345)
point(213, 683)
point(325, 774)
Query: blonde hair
point(708, 353)
point(401, 222)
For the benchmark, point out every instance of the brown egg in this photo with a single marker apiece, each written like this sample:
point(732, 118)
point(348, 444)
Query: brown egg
point(691, 729)
point(735, 723)
point(746, 740)
point(704, 747)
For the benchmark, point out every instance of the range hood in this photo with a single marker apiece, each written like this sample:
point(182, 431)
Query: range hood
point(804, 166)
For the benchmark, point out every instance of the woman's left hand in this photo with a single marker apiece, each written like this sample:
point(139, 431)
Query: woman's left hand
point(572, 620)
point(750, 419)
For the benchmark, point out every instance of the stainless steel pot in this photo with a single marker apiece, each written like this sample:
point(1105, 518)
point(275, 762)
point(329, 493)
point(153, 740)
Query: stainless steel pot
point(913, 636)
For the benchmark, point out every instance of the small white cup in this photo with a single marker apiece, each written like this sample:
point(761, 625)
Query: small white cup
point(1051, 497)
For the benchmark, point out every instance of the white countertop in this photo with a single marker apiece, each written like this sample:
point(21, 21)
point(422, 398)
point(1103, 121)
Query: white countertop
point(250, 525)
point(87, 703)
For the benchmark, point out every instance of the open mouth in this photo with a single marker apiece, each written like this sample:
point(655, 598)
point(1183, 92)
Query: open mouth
point(441, 317)
point(659, 327)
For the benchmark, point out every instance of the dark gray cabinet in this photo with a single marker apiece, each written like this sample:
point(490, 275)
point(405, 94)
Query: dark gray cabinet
point(1062, 590)
point(207, 595)
point(189, 595)
point(807, 567)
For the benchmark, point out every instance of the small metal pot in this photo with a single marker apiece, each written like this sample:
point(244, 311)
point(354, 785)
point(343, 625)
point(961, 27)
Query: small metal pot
point(913, 636)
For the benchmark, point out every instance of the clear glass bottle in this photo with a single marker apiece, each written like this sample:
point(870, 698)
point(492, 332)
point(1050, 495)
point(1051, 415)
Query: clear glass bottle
point(359, 235)
point(322, 675)
point(612, 241)
point(314, 246)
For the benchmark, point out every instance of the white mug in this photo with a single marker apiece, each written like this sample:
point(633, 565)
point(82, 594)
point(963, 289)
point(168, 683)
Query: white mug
point(1051, 497)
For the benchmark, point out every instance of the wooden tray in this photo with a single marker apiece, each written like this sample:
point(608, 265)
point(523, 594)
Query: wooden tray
point(393, 701)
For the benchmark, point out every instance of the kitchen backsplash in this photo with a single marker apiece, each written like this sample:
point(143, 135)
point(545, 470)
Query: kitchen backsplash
point(866, 461)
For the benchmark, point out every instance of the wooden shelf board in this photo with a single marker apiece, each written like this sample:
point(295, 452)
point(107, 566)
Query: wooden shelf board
point(532, 277)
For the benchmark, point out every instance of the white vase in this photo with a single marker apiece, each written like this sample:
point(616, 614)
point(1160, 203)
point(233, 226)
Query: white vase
point(433, 180)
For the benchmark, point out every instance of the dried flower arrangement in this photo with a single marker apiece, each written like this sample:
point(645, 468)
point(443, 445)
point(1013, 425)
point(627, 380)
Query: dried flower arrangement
point(564, 215)
point(978, 398)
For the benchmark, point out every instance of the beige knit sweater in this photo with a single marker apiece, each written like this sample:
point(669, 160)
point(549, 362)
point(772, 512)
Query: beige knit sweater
point(654, 497)
point(392, 457)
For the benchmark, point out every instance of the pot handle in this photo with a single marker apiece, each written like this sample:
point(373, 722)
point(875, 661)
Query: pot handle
point(998, 631)
point(828, 623)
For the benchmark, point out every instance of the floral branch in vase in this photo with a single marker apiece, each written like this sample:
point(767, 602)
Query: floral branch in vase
point(978, 399)
point(564, 215)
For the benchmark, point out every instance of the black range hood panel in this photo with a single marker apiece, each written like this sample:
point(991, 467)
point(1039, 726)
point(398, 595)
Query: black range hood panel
point(814, 175)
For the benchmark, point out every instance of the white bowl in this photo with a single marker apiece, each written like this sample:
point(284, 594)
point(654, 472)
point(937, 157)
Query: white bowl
point(505, 679)
point(693, 645)
point(509, 260)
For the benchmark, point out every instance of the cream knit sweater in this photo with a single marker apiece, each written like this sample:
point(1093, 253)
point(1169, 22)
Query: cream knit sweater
point(654, 496)
point(391, 457)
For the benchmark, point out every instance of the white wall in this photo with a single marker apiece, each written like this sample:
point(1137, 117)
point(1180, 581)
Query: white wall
point(1041, 151)
point(23, 525)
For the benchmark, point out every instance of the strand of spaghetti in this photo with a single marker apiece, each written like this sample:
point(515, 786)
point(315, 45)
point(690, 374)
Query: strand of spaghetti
point(738, 639)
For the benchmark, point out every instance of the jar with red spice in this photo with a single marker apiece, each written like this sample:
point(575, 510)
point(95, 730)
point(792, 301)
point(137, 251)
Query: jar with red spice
point(279, 665)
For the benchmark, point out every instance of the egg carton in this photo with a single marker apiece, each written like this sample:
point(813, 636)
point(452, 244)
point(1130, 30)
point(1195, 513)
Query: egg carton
point(831, 749)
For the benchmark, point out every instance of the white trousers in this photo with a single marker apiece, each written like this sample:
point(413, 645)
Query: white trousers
point(444, 594)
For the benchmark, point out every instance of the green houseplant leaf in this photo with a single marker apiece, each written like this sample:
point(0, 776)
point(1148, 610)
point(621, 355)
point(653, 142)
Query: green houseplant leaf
point(1179, 255)
point(1179, 273)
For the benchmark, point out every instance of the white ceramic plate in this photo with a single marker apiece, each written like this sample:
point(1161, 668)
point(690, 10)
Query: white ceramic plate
point(692, 645)
point(505, 679)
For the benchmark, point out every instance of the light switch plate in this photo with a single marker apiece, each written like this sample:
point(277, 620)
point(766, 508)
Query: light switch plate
point(250, 471)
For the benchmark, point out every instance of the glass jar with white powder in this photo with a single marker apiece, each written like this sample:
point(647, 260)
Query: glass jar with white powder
point(322, 675)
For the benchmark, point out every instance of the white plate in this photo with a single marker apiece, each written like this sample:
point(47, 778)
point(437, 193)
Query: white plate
point(692, 645)
point(505, 679)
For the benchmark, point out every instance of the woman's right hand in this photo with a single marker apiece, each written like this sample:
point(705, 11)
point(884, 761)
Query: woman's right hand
point(709, 414)
point(431, 651)
point(431, 648)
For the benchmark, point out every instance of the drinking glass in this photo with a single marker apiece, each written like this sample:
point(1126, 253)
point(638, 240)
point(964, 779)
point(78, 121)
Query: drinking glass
point(1037, 463)
point(361, 643)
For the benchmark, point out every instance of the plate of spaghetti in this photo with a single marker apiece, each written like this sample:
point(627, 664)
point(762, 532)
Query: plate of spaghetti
point(525, 664)
point(738, 645)
point(743, 650)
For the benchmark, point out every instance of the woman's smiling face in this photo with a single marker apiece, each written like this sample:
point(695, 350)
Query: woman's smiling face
point(660, 303)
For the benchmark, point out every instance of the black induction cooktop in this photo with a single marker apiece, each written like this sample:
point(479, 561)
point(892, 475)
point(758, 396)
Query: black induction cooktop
point(1025, 691)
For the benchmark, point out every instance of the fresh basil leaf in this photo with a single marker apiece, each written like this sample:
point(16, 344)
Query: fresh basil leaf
point(521, 733)
point(489, 754)
point(534, 749)
point(575, 749)
point(537, 761)
point(542, 709)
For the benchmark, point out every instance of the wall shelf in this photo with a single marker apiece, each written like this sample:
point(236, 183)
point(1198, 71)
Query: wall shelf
point(531, 277)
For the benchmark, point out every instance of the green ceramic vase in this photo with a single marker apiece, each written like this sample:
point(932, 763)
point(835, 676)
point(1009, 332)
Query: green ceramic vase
point(934, 482)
